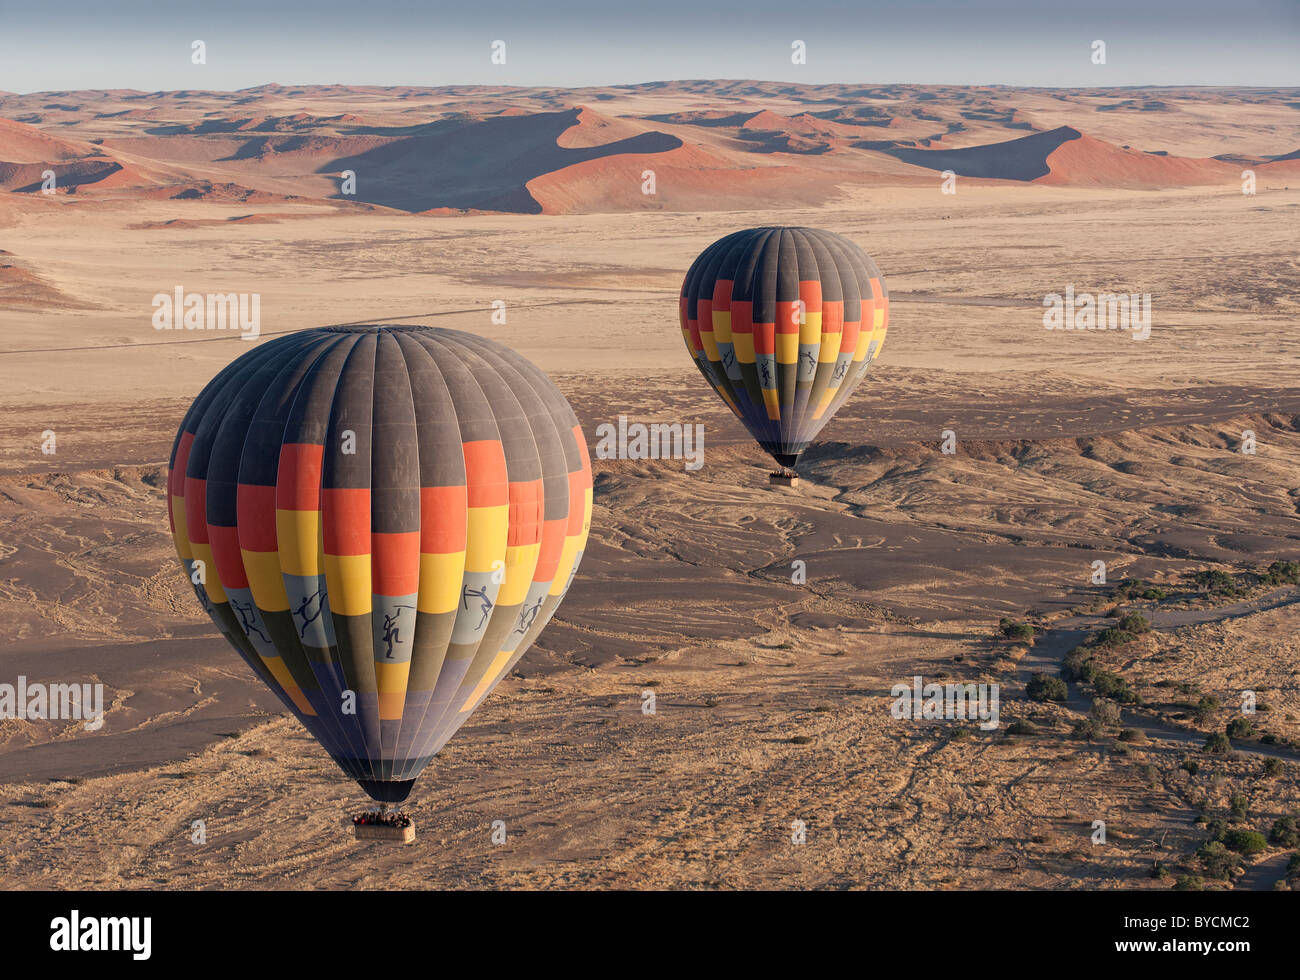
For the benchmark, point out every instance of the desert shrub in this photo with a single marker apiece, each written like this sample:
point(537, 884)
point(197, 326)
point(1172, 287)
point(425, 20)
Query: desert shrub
point(1238, 805)
point(1087, 729)
point(1158, 870)
point(1272, 768)
point(1135, 623)
point(1132, 735)
point(1189, 883)
point(1077, 665)
point(1215, 582)
point(1104, 713)
point(1155, 593)
point(1246, 842)
point(1281, 573)
point(1015, 630)
point(1129, 587)
point(1044, 687)
point(1109, 684)
point(1240, 728)
point(1285, 832)
point(1216, 860)
point(960, 732)
point(1192, 766)
point(1205, 708)
point(1112, 636)
point(1217, 744)
point(1022, 726)
point(1293, 864)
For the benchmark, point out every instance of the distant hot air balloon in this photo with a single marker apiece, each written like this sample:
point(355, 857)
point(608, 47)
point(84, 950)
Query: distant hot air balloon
point(783, 323)
point(381, 519)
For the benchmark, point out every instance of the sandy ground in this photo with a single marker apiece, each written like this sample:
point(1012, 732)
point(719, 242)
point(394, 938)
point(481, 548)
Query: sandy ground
point(772, 697)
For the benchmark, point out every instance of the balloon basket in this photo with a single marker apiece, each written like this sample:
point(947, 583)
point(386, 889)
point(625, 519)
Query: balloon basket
point(786, 478)
point(384, 824)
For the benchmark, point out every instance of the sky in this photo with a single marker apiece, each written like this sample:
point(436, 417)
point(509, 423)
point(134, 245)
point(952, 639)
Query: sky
point(146, 44)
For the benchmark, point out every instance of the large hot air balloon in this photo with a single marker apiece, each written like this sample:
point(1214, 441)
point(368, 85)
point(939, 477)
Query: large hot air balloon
point(783, 323)
point(380, 519)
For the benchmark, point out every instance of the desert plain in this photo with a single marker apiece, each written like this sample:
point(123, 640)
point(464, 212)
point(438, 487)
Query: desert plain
point(965, 492)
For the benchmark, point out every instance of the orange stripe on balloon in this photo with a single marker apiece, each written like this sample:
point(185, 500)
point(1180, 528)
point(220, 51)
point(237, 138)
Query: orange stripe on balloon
point(255, 515)
point(298, 480)
point(345, 515)
point(526, 512)
point(548, 557)
point(196, 510)
point(442, 520)
point(227, 558)
point(485, 473)
point(395, 563)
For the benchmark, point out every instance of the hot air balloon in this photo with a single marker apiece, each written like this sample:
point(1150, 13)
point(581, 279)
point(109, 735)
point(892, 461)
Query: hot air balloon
point(783, 324)
point(381, 520)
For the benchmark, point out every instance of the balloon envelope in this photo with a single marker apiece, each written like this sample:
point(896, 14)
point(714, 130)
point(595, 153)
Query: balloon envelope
point(380, 520)
point(783, 324)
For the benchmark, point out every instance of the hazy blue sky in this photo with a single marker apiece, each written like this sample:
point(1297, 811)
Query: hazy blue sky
point(145, 45)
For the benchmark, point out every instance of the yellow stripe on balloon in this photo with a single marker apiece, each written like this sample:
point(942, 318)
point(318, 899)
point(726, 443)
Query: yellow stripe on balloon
point(390, 681)
point(521, 562)
point(265, 580)
point(347, 581)
point(297, 536)
point(487, 529)
point(787, 348)
point(440, 579)
point(810, 331)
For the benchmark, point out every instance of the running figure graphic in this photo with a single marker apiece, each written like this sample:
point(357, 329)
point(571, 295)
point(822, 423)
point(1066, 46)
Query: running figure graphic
point(310, 602)
point(484, 602)
point(527, 616)
point(248, 620)
point(391, 633)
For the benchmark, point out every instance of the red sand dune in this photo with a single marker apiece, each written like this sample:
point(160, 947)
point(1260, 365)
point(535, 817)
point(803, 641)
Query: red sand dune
point(1066, 156)
point(1088, 161)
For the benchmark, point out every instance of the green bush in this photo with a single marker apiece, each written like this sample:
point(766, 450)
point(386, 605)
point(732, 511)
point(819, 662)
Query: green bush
point(1109, 684)
point(1112, 636)
point(1246, 841)
point(1285, 832)
point(1044, 687)
point(1087, 729)
point(1104, 713)
point(1205, 708)
point(1135, 623)
point(1240, 728)
point(1014, 630)
point(1216, 860)
point(1217, 744)
point(1189, 883)
point(1238, 805)
point(1077, 665)
point(1155, 593)
point(1132, 735)
point(1022, 726)
point(1216, 582)
point(1281, 573)
point(1272, 768)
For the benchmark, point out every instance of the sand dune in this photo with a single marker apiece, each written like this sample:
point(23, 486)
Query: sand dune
point(473, 149)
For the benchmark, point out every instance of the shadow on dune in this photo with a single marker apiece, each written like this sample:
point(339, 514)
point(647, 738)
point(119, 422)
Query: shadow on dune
point(479, 163)
point(1018, 159)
